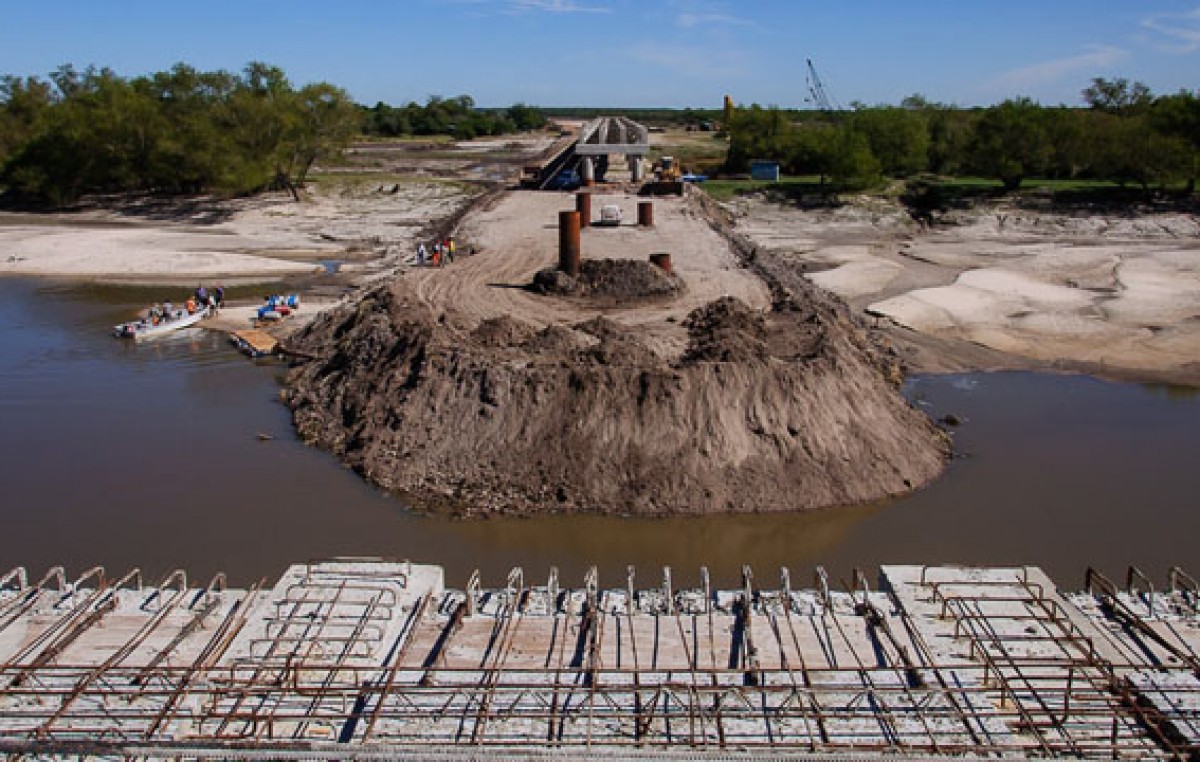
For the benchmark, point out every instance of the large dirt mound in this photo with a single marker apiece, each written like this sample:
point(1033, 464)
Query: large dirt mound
point(610, 281)
point(786, 410)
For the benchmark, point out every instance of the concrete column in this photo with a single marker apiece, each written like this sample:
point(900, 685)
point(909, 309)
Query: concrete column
point(568, 243)
point(583, 205)
point(587, 170)
point(635, 168)
point(646, 214)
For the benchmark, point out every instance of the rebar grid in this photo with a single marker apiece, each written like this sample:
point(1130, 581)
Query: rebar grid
point(1064, 692)
point(844, 709)
point(330, 657)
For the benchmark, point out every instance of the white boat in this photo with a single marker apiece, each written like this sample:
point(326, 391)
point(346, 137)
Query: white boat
point(147, 328)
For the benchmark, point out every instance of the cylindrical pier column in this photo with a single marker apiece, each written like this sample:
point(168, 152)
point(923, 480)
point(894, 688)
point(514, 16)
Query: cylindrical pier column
point(646, 214)
point(568, 243)
point(588, 171)
point(662, 261)
point(583, 205)
point(635, 168)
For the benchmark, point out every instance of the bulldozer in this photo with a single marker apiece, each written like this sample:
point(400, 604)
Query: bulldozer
point(667, 180)
point(666, 171)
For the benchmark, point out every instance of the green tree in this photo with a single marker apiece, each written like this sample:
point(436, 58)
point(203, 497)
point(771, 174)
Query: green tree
point(898, 138)
point(1118, 96)
point(525, 117)
point(1010, 143)
point(23, 103)
point(325, 123)
point(1178, 116)
point(758, 133)
point(1129, 150)
point(1067, 131)
point(852, 165)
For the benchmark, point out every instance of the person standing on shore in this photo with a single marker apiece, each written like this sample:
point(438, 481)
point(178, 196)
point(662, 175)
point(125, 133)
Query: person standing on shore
point(421, 254)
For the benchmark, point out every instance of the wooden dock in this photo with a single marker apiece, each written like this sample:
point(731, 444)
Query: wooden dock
point(254, 342)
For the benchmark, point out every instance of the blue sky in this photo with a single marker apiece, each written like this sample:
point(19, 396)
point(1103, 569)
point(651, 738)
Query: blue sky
point(631, 52)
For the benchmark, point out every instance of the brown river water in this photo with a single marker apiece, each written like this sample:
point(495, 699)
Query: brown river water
point(148, 455)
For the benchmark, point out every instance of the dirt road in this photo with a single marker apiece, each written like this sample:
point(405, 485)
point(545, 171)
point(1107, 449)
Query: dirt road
point(518, 235)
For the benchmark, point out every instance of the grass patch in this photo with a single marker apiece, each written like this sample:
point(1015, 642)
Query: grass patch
point(699, 152)
point(787, 187)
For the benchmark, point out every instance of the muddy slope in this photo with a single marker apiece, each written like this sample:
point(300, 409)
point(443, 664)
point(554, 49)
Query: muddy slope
point(787, 410)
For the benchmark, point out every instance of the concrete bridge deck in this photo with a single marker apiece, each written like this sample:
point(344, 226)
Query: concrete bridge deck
point(366, 658)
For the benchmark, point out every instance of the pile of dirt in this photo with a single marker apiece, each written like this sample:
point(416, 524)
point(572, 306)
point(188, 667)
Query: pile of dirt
point(785, 410)
point(612, 281)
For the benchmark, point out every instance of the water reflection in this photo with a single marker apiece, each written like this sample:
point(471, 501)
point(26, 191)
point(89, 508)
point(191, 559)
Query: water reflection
point(149, 455)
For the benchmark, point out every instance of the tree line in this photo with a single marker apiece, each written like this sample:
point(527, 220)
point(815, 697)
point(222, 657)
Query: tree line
point(180, 130)
point(1125, 134)
point(189, 131)
point(458, 117)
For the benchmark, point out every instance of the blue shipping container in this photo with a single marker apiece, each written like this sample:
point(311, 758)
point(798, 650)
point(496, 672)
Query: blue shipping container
point(765, 170)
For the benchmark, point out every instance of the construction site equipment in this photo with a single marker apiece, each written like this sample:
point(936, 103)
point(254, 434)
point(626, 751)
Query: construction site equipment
point(666, 171)
point(666, 179)
point(583, 160)
point(583, 205)
point(817, 93)
point(610, 216)
point(373, 658)
point(646, 214)
point(568, 243)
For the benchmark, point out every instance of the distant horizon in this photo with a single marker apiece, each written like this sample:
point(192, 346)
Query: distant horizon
point(670, 54)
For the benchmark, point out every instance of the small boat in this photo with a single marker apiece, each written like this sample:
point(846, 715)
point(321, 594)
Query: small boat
point(148, 328)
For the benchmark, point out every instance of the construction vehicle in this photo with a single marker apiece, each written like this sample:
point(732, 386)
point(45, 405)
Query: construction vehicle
point(666, 171)
point(666, 179)
point(565, 179)
point(610, 216)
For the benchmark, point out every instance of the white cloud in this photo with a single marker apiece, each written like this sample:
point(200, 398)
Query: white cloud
point(1037, 75)
point(1177, 32)
point(558, 6)
point(690, 20)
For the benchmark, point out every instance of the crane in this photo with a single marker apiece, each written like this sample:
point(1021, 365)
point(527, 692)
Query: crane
point(816, 90)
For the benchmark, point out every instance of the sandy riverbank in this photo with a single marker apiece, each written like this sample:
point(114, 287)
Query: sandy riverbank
point(339, 236)
point(242, 240)
point(999, 286)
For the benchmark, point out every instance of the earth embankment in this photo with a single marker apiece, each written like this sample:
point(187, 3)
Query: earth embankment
point(460, 390)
